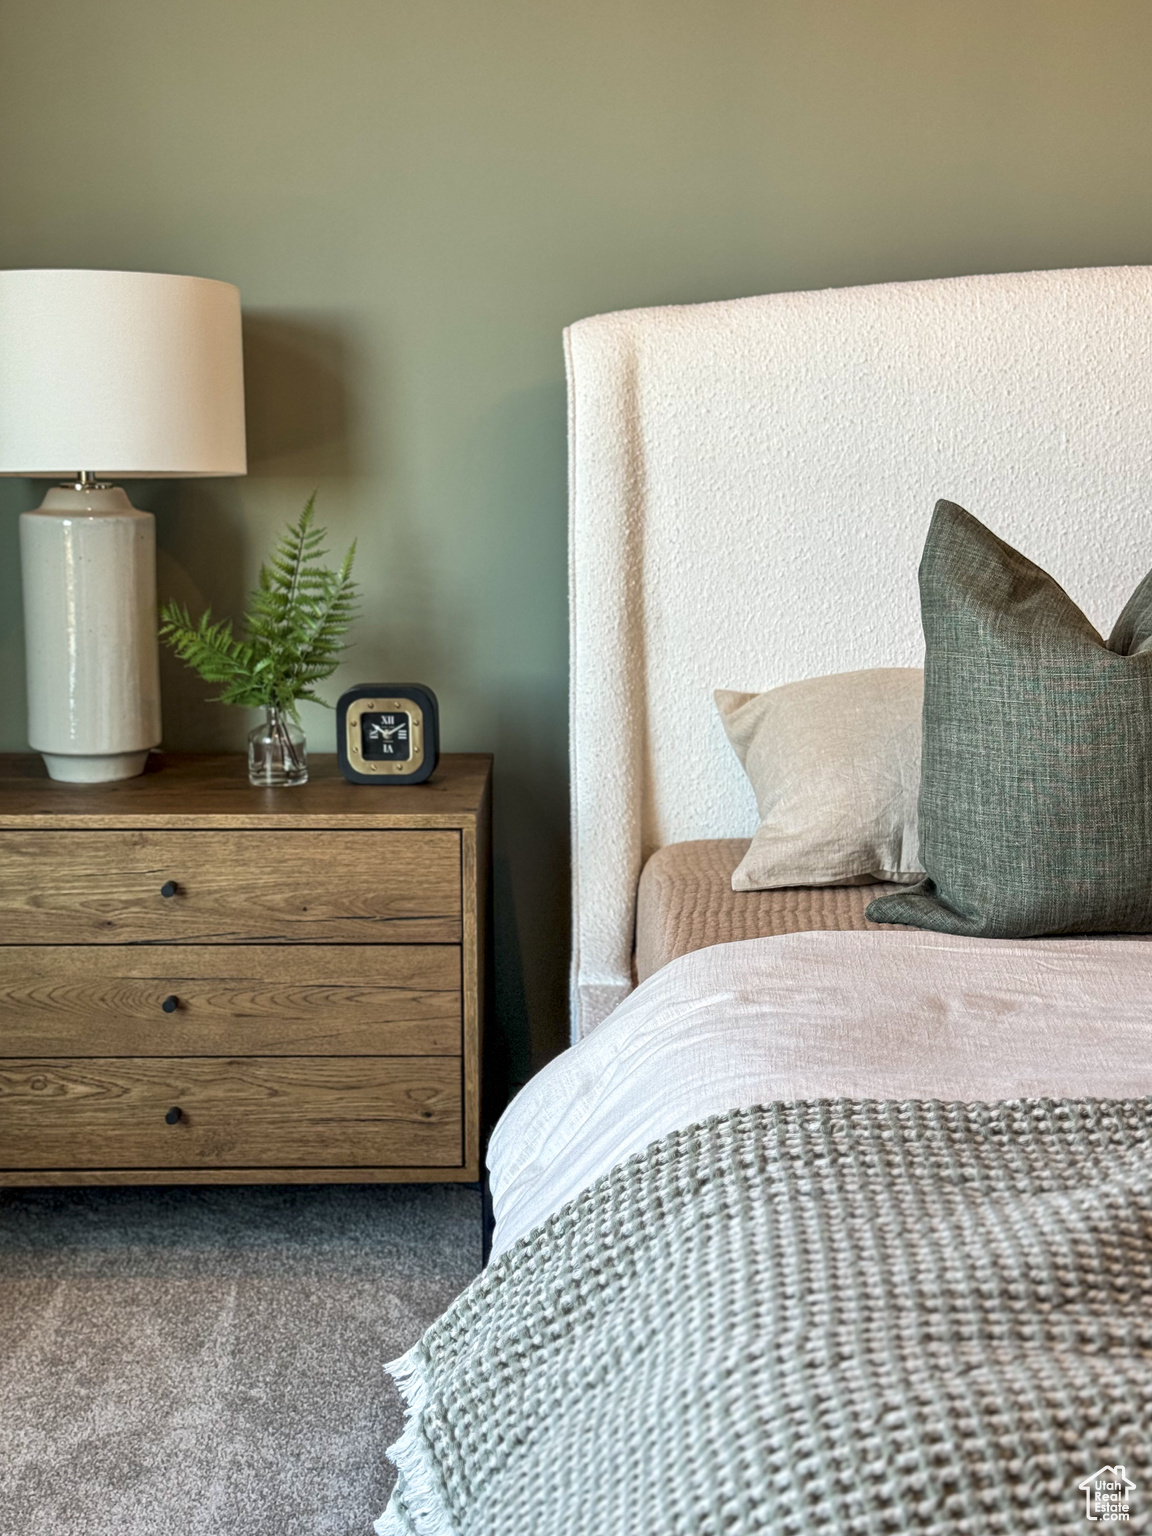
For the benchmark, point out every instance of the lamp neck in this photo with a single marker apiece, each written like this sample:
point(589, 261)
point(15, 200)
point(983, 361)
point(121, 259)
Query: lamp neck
point(90, 500)
point(85, 481)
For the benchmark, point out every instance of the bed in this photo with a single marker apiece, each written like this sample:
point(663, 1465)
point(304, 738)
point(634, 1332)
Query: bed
point(820, 1224)
point(685, 901)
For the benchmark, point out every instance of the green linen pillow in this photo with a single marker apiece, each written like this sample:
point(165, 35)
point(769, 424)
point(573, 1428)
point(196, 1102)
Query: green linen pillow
point(1036, 773)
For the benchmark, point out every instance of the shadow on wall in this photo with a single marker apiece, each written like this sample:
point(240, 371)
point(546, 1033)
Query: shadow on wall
point(299, 380)
point(516, 460)
point(531, 905)
point(16, 496)
point(200, 562)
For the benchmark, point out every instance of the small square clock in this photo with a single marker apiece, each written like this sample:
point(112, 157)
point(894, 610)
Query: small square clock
point(388, 733)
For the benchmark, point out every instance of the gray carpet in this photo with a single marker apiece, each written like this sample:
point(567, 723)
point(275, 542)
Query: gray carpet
point(211, 1361)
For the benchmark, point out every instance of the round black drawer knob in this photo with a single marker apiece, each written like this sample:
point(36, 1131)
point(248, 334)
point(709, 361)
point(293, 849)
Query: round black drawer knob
point(170, 1003)
point(174, 1116)
point(168, 888)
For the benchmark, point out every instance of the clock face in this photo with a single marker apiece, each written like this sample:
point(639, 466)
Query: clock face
point(388, 733)
point(386, 736)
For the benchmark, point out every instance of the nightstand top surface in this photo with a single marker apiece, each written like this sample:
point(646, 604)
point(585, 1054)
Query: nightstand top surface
point(211, 789)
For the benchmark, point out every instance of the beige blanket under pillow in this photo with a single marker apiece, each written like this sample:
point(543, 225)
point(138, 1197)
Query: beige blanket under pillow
point(835, 765)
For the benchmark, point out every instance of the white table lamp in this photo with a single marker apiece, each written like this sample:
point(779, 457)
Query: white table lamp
point(107, 376)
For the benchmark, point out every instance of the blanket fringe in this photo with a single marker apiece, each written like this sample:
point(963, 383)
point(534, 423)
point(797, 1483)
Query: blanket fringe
point(412, 1457)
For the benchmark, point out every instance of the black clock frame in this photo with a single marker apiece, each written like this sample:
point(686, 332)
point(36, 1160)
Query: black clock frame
point(426, 702)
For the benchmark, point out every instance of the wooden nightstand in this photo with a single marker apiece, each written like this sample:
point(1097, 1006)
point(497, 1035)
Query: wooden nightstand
point(202, 982)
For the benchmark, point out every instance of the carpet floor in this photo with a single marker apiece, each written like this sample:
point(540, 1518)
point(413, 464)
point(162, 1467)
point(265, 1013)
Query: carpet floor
point(210, 1362)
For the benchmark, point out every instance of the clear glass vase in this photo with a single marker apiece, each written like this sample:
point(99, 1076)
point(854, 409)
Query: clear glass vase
point(277, 751)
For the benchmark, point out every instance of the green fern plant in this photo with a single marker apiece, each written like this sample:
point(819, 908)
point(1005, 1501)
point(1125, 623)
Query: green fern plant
point(294, 628)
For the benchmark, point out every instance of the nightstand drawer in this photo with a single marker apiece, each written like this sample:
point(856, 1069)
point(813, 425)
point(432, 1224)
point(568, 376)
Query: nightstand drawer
point(233, 1113)
point(230, 887)
point(230, 999)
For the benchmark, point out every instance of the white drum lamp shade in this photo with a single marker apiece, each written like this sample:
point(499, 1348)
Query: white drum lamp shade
point(129, 375)
point(107, 376)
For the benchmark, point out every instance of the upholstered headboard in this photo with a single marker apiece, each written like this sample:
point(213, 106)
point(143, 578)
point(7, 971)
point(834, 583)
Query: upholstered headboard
point(750, 483)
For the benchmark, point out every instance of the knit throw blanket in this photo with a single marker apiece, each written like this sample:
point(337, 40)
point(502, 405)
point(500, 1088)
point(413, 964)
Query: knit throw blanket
point(843, 1318)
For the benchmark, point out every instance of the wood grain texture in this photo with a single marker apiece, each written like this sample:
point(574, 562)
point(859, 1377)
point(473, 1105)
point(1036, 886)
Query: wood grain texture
point(231, 1000)
point(206, 790)
point(231, 887)
point(327, 948)
point(58, 1177)
point(254, 1112)
point(475, 857)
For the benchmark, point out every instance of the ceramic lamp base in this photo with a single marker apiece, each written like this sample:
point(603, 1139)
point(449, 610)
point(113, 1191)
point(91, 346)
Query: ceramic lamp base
point(88, 560)
point(94, 770)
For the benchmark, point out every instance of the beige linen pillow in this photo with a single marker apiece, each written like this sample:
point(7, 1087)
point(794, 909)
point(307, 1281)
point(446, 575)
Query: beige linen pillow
point(835, 764)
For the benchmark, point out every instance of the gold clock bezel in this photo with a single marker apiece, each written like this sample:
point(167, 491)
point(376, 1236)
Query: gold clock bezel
point(356, 757)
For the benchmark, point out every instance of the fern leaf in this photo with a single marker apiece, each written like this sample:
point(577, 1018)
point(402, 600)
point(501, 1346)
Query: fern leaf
point(297, 617)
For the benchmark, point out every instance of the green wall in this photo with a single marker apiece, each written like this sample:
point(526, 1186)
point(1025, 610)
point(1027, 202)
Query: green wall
point(415, 196)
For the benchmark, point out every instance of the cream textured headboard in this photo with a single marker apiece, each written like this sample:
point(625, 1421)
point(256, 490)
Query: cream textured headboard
point(750, 483)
